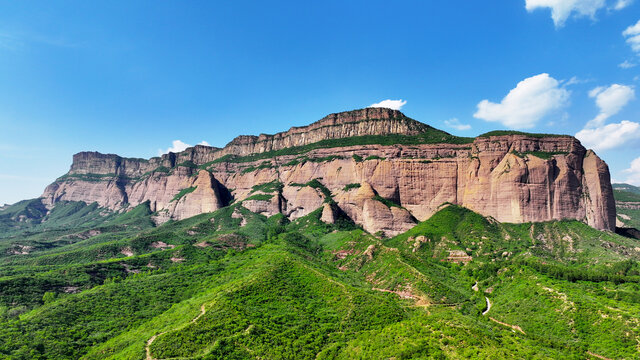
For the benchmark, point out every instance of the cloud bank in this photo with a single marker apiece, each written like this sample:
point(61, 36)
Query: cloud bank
point(610, 101)
point(391, 104)
point(609, 136)
point(523, 107)
point(633, 172)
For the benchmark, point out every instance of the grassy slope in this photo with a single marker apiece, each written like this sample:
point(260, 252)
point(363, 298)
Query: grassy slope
point(273, 289)
point(633, 214)
point(626, 196)
point(21, 215)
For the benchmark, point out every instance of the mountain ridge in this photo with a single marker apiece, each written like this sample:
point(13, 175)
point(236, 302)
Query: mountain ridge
point(352, 123)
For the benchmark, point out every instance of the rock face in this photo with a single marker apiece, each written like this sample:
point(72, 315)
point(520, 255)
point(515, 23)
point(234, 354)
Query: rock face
point(385, 188)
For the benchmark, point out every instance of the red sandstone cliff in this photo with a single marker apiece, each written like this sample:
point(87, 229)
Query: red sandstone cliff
point(513, 178)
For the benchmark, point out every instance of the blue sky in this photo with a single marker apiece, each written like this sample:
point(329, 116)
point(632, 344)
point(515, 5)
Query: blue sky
point(133, 77)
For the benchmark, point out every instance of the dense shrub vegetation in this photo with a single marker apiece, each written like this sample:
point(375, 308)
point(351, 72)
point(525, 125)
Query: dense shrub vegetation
point(236, 285)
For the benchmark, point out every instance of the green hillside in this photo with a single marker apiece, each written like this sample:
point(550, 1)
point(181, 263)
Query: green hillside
point(627, 204)
point(626, 187)
point(236, 285)
point(626, 196)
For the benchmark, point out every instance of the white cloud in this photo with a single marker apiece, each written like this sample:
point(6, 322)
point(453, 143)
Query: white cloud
point(456, 124)
point(626, 64)
point(391, 104)
point(621, 4)
point(573, 81)
point(610, 101)
point(176, 146)
point(561, 10)
point(531, 100)
point(632, 33)
point(632, 30)
point(609, 136)
point(634, 42)
point(634, 172)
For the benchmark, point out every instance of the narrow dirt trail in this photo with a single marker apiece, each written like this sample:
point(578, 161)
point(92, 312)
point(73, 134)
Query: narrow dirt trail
point(153, 338)
point(518, 328)
point(202, 312)
point(148, 347)
point(598, 356)
point(514, 327)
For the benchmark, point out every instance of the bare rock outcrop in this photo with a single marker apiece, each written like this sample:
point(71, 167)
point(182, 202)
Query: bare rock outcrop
point(301, 200)
point(601, 206)
point(328, 214)
point(380, 218)
point(268, 206)
point(203, 199)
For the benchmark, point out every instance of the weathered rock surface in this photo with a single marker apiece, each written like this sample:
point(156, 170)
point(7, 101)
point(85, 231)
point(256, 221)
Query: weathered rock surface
point(601, 208)
point(513, 178)
point(205, 198)
point(301, 201)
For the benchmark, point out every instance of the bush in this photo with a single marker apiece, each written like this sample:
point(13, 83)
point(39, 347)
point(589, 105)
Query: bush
point(351, 186)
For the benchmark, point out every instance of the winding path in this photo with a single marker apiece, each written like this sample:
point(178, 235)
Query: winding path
point(475, 288)
point(518, 328)
point(153, 338)
point(514, 327)
point(488, 306)
point(598, 356)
